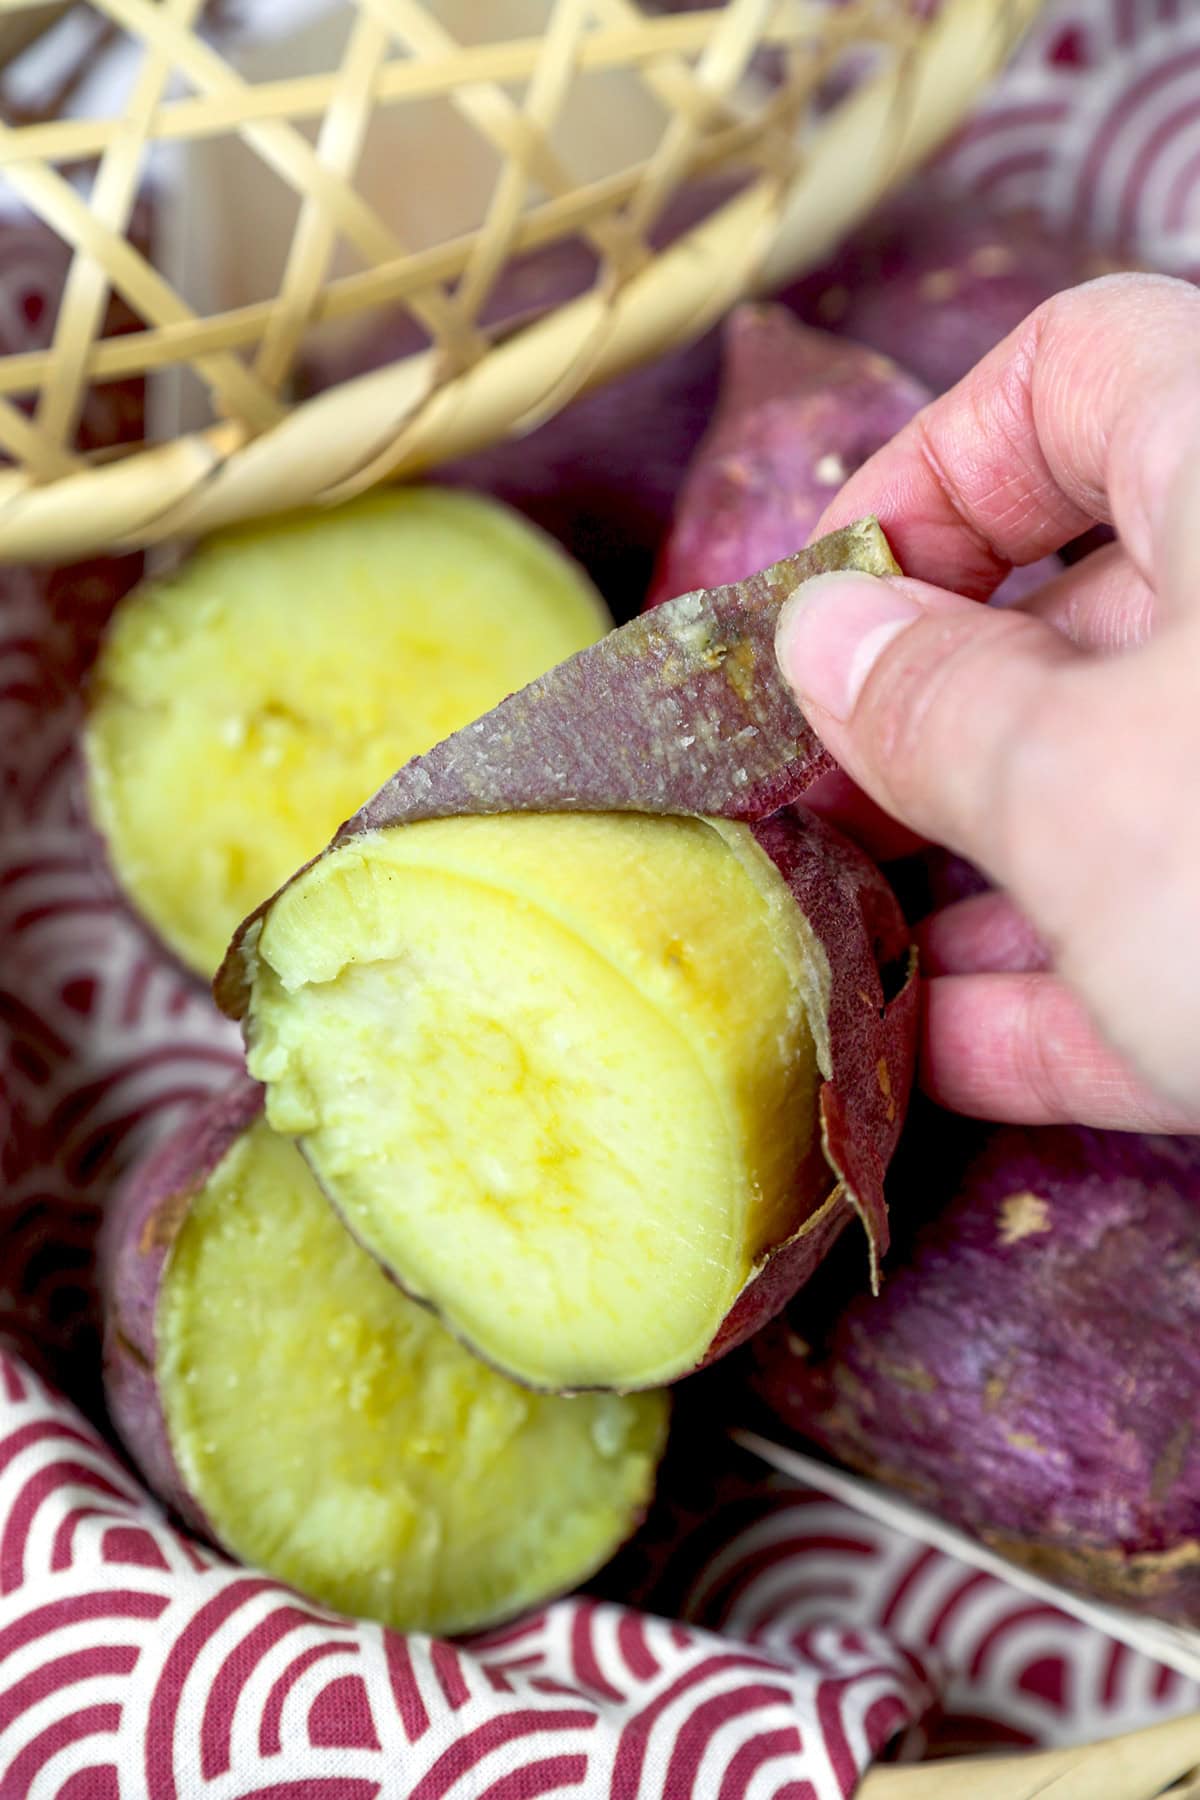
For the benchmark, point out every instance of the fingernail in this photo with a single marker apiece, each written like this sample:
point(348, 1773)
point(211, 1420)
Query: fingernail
point(831, 633)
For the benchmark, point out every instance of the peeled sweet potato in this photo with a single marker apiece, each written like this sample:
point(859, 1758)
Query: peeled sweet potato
point(242, 709)
point(291, 1404)
point(1032, 1370)
point(799, 411)
point(565, 991)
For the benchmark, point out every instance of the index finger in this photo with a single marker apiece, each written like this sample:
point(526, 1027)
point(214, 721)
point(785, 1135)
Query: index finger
point(1081, 414)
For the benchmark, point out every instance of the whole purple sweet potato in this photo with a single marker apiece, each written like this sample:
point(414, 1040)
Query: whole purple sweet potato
point(936, 283)
point(291, 1404)
point(798, 413)
point(1032, 1370)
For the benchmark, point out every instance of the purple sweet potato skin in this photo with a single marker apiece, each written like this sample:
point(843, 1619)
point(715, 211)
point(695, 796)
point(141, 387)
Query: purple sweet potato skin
point(799, 412)
point(935, 283)
point(1032, 1370)
point(142, 1225)
point(872, 1036)
point(682, 711)
point(873, 1003)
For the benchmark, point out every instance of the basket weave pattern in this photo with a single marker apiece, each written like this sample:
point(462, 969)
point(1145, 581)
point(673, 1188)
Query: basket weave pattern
point(732, 95)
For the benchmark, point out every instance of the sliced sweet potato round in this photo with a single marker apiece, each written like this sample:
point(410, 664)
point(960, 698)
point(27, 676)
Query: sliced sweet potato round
point(294, 1406)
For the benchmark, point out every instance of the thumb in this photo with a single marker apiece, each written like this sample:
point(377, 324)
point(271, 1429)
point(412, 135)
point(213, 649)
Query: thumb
point(923, 697)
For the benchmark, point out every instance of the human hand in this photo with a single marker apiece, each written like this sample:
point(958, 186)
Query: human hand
point(1055, 744)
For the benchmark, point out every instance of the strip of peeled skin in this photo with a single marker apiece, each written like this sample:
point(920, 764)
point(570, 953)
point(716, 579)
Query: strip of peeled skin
point(241, 709)
point(596, 1071)
point(320, 1425)
point(681, 711)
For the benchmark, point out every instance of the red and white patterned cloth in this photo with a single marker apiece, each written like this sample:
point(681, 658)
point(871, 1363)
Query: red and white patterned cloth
point(781, 1640)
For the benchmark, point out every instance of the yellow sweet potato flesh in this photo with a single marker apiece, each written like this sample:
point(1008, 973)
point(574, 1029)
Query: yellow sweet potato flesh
point(245, 708)
point(336, 1435)
point(556, 1071)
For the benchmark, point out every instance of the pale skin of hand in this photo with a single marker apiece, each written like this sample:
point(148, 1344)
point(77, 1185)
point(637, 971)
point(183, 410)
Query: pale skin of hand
point(1057, 745)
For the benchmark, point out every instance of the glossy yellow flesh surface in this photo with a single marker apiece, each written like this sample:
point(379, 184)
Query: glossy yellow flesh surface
point(245, 708)
point(555, 1070)
point(337, 1436)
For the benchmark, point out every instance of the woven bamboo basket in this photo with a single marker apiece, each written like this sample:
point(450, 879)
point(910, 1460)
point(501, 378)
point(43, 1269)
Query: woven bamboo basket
point(797, 114)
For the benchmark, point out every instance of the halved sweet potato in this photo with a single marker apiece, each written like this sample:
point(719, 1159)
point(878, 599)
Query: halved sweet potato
point(243, 709)
point(291, 1404)
point(596, 1071)
point(1031, 1371)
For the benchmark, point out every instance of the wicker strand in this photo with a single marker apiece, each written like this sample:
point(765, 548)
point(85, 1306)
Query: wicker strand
point(307, 96)
point(29, 444)
point(338, 149)
point(490, 109)
point(721, 66)
point(52, 197)
point(1139, 1765)
point(669, 77)
point(111, 203)
point(545, 97)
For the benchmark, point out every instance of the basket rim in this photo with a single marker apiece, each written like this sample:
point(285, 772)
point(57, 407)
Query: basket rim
point(428, 408)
